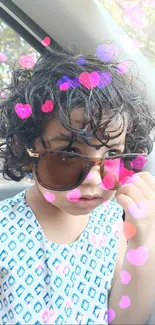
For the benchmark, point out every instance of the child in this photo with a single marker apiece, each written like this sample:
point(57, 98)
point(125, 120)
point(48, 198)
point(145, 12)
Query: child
point(82, 129)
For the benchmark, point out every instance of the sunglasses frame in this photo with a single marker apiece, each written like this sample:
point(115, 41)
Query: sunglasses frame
point(35, 155)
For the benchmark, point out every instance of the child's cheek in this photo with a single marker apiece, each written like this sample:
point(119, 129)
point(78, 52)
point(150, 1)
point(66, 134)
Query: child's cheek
point(49, 196)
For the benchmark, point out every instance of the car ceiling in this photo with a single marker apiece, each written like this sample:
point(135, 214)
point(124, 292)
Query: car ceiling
point(67, 21)
point(83, 24)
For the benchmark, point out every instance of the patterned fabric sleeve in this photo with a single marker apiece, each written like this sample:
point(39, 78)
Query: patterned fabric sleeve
point(113, 218)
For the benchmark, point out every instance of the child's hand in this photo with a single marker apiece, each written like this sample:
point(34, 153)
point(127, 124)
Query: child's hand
point(137, 197)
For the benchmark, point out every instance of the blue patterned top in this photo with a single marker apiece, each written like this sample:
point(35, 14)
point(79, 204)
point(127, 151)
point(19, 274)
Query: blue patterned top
point(47, 283)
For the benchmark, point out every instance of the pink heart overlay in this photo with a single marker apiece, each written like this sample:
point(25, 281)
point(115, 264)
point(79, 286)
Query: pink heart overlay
point(108, 182)
point(89, 80)
point(50, 197)
point(23, 110)
point(74, 195)
point(49, 315)
point(69, 303)
point(138, 210)
point(62, 268)
point(40, 266)
point(98, 240)
point(46, 41)
point(139, 162)
point(125, 302)
point(48, 106)
point(123, 67)
point(138, 256)
point(125, 277)
point(64, 86)
point(3, 57)
point(28, 61)
point(107, 52)
point(90, 175)
point(111, 315)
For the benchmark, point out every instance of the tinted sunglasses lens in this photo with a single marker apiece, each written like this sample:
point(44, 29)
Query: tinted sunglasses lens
point(117, 171)
point(61, 170)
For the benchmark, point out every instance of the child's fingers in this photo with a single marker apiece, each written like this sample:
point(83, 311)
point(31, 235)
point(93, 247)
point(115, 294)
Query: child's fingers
point(132, 191)
point(133, 211)
point(144, 182)
point(148, 178)
point(125, 201)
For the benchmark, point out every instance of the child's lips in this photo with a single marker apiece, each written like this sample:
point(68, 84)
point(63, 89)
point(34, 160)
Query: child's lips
point(86, 198)
point(89, 199)
point(86, 203)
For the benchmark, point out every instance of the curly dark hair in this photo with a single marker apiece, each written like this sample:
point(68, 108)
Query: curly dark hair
point(121, 97)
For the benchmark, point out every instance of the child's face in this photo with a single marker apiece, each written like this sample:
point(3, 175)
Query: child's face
point(91, 185)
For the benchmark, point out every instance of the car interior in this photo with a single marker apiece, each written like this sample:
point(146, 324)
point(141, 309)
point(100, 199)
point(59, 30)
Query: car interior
point(84, 24)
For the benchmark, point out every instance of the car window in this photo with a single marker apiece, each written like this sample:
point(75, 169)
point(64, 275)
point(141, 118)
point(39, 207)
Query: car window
point(14, 52)
point(137, 19)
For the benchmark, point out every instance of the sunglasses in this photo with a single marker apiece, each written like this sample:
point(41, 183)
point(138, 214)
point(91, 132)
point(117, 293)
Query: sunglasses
point(62, 171)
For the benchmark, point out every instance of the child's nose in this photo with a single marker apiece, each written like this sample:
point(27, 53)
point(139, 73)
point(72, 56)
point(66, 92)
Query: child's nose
point(94, 177)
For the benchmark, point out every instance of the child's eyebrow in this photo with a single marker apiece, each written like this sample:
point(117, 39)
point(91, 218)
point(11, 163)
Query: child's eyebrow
point(63, 137)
